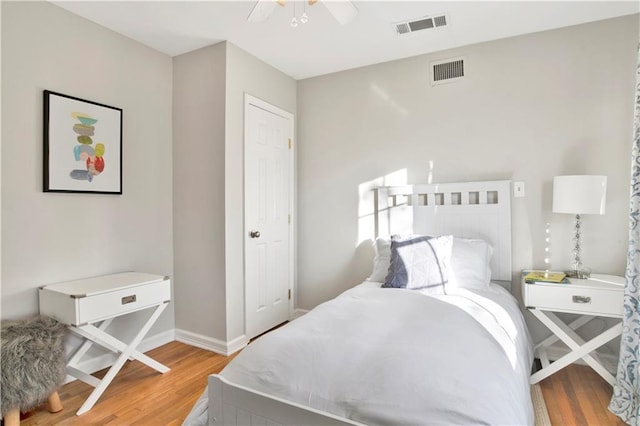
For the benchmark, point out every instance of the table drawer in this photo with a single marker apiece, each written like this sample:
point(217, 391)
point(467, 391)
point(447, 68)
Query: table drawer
point(105, 305)
point(107, 296)
point(566, 298)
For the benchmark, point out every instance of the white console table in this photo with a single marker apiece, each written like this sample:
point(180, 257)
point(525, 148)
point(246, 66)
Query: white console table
point(82, 303)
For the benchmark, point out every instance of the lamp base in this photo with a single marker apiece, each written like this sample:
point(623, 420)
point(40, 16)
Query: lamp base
point(580, 274)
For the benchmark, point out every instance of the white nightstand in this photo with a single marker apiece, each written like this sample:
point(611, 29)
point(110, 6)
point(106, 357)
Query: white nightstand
point(83, 303)
point(600, 295)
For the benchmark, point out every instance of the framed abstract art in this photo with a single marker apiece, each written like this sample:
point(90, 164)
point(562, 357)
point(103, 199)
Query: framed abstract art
point(82, 145)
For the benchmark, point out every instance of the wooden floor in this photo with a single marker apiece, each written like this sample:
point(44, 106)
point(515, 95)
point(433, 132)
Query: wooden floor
point(140, 396)
point(577, 395)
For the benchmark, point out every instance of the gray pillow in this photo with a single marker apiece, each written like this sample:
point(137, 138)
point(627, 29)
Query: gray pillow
point(419, 262)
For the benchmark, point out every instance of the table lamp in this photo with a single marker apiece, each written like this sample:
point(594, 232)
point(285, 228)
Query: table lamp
point(579, 194)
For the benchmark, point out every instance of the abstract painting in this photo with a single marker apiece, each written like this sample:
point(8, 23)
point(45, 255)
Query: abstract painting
point(82, 145)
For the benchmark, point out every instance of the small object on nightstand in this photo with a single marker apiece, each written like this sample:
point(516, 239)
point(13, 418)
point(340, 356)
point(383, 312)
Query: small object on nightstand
point(601, 296)
point(580, 274)
point(545, 276)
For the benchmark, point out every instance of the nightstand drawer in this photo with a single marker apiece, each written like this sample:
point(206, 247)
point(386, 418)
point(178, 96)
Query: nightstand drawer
point(568, 298)
point(99, 298)
point(116, 303)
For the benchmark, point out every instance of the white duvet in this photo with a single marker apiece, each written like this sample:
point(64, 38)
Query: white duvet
point(394, 356)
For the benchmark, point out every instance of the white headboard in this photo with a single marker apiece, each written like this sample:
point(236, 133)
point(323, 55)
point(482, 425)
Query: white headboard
point(464, 209)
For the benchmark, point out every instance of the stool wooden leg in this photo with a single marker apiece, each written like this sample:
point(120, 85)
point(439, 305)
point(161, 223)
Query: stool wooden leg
point(54, 403)
point(12, 417)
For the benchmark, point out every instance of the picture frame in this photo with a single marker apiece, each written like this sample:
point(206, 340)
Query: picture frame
point(82, 145)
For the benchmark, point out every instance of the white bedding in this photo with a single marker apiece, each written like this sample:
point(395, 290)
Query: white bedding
point(395, 356)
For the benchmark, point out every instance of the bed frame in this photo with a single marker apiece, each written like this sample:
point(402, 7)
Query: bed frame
point(467, 209)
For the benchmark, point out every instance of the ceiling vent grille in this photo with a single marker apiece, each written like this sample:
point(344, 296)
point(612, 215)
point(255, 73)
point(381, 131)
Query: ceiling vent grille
point(447, 71)
point(425, 23)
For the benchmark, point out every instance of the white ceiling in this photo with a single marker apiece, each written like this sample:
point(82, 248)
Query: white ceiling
point(323, 45)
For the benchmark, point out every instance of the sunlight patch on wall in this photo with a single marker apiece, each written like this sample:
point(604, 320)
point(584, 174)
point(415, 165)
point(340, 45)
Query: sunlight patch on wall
point(430, 175)
point(388, 99)
point(366, 202)
point(395, 215)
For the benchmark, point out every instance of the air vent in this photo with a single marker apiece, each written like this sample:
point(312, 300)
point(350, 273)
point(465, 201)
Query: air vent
point(447, 71)
point(440, 21)
point(403, 28)
point(425, 23)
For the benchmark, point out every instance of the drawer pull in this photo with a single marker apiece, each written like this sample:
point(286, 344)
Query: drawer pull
point(132, 298)
point(581, 299)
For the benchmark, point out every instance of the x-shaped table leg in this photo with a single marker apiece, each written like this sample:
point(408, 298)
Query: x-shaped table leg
point(579, 348)
point(97, 335)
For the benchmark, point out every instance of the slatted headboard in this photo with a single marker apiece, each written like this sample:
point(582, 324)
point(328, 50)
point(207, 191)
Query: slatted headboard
point(464, 209)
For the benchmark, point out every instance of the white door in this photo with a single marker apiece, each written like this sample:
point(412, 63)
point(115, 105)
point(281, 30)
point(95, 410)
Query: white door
point(268, 201)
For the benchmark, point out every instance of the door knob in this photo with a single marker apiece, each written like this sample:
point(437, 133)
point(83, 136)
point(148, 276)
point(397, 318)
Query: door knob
point(254, 234)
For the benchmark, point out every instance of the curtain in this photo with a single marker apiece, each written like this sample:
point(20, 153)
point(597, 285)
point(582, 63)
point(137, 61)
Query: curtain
point(625, 402)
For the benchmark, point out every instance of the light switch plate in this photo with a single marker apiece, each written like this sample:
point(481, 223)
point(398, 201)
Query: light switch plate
point(518, 189)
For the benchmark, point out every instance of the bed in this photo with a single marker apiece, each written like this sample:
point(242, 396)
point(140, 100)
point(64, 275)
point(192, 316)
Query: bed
point(449, 346)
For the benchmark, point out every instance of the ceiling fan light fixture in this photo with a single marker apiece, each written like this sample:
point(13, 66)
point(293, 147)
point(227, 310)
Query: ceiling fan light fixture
point(294, 20)
point(344, 11)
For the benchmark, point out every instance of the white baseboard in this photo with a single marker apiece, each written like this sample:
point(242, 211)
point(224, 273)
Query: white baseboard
point(297, 313)
point(211, 344)
point(100, 362)
point(106, 360)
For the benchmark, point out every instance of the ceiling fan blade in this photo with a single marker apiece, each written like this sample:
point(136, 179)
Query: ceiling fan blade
point(343, 11)
point(262, 10)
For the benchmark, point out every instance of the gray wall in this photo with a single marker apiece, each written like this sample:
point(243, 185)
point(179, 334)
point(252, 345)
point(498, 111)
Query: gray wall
point(530, 108)
point(50, 237)
point(198, 164)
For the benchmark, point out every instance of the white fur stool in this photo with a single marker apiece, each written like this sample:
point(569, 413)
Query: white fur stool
point(33, 366)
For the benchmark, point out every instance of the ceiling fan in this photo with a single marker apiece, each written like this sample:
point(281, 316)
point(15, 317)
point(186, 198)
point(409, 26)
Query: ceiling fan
point(344, 10)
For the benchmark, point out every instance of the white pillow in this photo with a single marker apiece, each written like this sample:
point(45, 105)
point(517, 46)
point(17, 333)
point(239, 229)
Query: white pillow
point(470, 264)
point(382, 259)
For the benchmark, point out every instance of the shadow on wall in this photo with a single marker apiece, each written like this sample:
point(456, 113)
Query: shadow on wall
point(362, 259)
point(367, 207)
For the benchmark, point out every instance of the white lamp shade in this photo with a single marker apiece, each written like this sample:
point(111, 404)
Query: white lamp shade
point(579, 194)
